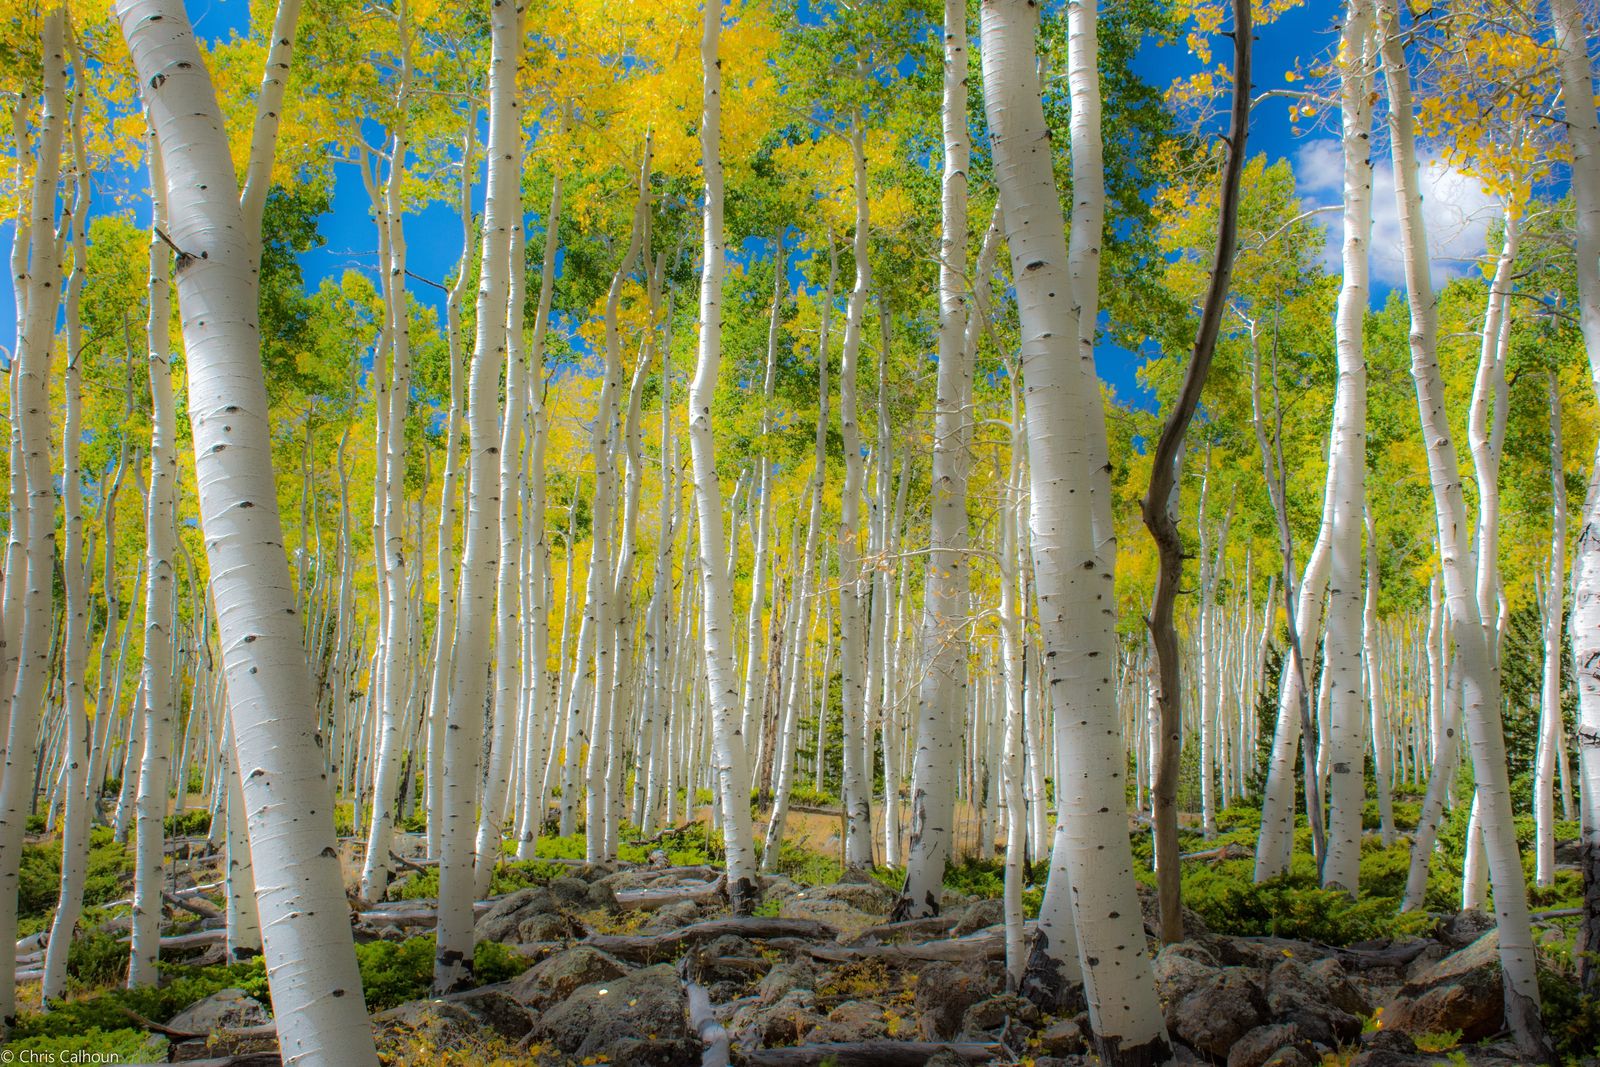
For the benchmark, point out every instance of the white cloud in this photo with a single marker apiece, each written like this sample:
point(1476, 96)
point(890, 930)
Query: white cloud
point(1455, 209)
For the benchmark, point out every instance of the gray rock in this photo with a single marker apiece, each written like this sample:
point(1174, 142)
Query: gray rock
point(778, 1023)
point(570, 892)
point(854, 1020)
point(995, 1013)
point(1296, 994)
point(978, 916)
point(1182, 968)
point(1217, 1013)
point(799, 973)
point(869, 896)
point(500, 922)
point(545, 926)
point(672, 917)
point(647, 1005)
point(556, 978)
point(226, 1009)
point(1461, 992)
point(453, 1021)
point(944, 993)
point(1265, 1043)
point(600, 898)
point(1068, 1037)
point(1463, 928)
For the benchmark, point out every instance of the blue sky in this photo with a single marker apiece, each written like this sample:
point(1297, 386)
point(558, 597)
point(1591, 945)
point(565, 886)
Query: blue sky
point(1458, 212)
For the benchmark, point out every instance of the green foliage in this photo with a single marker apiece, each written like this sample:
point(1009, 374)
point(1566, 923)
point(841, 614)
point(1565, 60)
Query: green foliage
point(493, 962)
point(97, 959)
point(192, 823)
point(1571, 1020)
point(393, 973)
point(39, 877)
point(107, 1010)
point(1229, 901)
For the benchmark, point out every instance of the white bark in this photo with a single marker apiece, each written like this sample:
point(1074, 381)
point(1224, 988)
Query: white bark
point(1583, 134)
point(856, 784)
point(475, 605)
point(1347, 465)
point(1551, 603)
point(75, 580)
point(941, 696)
point(1070, 567)
point(38, 298)
point(160, 608)
point(311, 966)
point(728, 756)
point(1470, 630)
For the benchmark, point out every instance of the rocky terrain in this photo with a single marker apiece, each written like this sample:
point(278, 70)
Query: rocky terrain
point(644, 967)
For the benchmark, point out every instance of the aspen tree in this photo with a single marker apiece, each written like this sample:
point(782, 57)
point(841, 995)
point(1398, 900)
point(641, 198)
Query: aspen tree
point(1347, 466)
point(731, 778)
point(160, 607)
point(1583, 134)
point(32, 568)
point(1092, 842)
point(941, 696)
point(316, 990)
point(1475, 650)
point(75, 576)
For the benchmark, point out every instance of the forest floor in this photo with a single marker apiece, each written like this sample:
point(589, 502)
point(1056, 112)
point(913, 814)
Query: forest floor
point(638, 962)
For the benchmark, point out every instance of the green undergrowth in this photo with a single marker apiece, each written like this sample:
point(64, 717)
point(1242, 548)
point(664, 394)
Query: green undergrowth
point(103, 1019)
point(39, 879)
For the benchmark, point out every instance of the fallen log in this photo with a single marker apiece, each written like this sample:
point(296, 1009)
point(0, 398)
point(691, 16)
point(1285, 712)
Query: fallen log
point(195, 905)
point(925, 926)
point(873, 1053)
point(984, 945)
point(651, 899)
point(645, 947)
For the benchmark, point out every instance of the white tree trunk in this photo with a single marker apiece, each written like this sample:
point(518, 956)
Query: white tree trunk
point(941, 696)
point(1070, 571)
point(729, 758)
point(38, 293)
point(75, 563)
point(856, 785)
point(1552, 603)
point(1583, 134)
point(475, 605)
point(160, 607)
point(1347, 463)
point(316, 991)
point(1471, 631)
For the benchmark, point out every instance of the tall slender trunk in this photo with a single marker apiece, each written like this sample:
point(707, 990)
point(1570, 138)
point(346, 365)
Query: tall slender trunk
point(445, 533)
point(1347, 465)
point(38, 293)
point(505, 702)
point(1552, 603)
point(75, 561)
point(1583, 133)
point(1471, 631)
point(317, 995)
point(540, 715)
point(394, 634)
point(469, 681)
point(1073, 582)
point(856, 785)
point(941, 696)
point(1160, 504)
point(732, 779)
point(160, 606)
